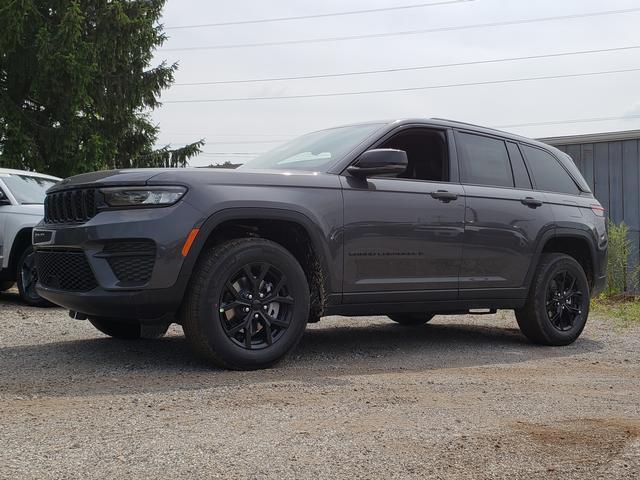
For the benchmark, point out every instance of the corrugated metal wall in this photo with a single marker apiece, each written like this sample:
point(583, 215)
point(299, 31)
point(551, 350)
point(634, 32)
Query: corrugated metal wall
point(612, 170)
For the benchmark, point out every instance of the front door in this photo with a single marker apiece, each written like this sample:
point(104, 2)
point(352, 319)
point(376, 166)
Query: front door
point(403, 236)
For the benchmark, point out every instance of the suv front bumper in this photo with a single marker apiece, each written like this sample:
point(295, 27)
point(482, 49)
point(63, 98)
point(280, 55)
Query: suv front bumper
point(99, 268)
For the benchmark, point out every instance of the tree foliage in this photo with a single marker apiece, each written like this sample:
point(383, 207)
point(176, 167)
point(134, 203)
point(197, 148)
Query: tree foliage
point(77, 86)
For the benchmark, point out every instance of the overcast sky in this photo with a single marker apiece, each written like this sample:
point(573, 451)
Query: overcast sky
point(249, 122)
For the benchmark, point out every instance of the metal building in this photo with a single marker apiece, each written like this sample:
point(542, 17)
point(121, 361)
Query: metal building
point(610, 162)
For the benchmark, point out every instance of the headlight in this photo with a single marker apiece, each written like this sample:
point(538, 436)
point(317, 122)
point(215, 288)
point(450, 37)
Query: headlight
point(142, 196)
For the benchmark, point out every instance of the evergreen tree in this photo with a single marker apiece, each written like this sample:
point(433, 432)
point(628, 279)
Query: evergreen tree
point(77, 86)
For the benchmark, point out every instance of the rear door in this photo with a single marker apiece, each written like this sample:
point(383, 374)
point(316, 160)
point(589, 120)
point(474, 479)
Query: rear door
point(504, 217)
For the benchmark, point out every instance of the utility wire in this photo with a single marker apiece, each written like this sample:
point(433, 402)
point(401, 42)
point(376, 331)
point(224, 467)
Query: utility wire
point(230, 153)
point(408, 89)
point(406, 32)
point(512, 125)
point(406, 69)
point(243, 142)
point(320, 15)
point(563, 122)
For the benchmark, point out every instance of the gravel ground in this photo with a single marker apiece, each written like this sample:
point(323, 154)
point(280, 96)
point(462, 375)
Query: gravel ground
point(462, 397)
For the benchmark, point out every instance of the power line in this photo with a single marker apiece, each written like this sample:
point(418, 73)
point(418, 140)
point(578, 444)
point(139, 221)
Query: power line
point(406, 69)
point(406, 32)
point(320, 15)
point(512, 125)
point(531, 124)
point(563, 122)
point(243, 142)
point(407, 89)
point(230, 153)
point(229, 135)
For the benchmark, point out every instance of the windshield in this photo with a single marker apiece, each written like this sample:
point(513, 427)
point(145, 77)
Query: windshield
point(316, 151)
point(28, 190)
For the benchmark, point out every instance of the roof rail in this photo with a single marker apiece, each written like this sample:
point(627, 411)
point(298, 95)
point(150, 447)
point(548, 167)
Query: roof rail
point(465, 123)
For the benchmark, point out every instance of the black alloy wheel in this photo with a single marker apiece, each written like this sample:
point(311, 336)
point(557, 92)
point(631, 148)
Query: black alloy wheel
point(247, 305)
point(557, 307)
point(27, 275)
point(255, 306)
point(564, 301)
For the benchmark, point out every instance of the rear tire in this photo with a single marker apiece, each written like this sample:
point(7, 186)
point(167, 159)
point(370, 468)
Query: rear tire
point(247, 305)
point(411, 319)
point(4, 286)
point(27, 276)
point(558, 305)
point(123, 330)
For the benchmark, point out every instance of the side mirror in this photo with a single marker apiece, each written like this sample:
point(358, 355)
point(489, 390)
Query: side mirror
point(4, 200)
point(381, 161)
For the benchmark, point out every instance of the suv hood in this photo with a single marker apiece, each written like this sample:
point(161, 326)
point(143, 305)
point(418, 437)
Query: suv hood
point(196, 176)
point(109, 177)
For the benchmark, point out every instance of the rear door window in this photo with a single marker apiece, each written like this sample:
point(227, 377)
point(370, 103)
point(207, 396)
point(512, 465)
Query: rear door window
point(547, 172)
point(483, 161)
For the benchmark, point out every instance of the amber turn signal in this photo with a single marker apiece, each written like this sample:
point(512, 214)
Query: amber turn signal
point(190, 239)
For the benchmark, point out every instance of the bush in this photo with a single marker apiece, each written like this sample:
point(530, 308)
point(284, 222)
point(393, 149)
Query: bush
point(622, 277)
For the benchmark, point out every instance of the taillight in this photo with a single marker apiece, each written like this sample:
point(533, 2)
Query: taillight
point(597, 209)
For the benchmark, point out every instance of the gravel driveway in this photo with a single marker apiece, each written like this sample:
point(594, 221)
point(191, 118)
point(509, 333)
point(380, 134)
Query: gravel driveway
point(464, 396)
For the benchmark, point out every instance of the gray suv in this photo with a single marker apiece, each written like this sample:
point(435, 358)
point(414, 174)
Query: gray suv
point(408, 219)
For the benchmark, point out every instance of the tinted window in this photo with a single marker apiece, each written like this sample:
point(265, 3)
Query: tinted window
point(484, 161)
point(426, 154)
point(520, 174)
point(547, 172)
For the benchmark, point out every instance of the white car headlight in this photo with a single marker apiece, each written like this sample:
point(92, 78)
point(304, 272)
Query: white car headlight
point(142, 196)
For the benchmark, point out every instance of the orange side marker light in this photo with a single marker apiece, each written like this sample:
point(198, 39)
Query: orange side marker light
point(189, 242)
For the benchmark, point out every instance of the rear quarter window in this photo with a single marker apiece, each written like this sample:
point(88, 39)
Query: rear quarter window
point(548, 174)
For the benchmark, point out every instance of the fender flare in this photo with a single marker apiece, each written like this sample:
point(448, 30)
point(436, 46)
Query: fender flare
point(560, 232)
point(15, 253)
point(208, 225)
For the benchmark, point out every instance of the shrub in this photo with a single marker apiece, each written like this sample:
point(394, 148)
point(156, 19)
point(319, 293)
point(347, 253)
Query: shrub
point(621, 276)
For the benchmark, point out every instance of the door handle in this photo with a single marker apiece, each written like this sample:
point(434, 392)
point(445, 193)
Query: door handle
point(531, 202)
point(444, 196)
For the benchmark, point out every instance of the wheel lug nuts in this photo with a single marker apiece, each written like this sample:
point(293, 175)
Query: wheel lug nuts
point(264, 307)
point(255, 315)
point(246, 309)
point(262, 295)
point(250, 297)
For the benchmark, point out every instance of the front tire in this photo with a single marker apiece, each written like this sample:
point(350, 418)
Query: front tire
point(247, 305)
point(27, 276)
point(412, 319)
point(558, 305)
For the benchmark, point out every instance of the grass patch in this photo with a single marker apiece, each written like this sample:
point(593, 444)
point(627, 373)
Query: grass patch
point(623, 309)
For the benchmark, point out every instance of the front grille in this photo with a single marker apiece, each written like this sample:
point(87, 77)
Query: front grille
point(68, 271)
point(132, 261)
point(70, 206)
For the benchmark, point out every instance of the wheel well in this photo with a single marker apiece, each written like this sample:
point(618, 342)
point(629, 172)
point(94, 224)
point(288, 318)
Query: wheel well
point(21, 242)
point(575, 247)
point(290, 235)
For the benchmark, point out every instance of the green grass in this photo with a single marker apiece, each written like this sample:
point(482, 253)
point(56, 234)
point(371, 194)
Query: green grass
point(624, 311)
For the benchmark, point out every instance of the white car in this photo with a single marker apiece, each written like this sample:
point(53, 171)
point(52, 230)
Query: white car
point(21, 208)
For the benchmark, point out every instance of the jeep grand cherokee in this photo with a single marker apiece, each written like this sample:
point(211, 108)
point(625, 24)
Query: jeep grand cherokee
point(408, 219)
